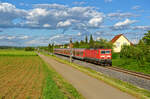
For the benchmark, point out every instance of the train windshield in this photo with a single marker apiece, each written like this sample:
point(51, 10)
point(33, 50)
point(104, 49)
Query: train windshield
point(102, 52)
point(105, 52)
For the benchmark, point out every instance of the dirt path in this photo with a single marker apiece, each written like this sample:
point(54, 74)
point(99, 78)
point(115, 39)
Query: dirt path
point(89, 87)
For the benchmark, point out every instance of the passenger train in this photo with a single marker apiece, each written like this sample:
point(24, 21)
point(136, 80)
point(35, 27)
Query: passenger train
point(98, 56)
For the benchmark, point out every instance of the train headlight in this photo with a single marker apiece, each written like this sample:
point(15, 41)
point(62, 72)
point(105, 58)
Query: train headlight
point(109, 56)
point(102, 56)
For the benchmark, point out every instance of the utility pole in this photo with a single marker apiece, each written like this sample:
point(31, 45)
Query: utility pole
point(53, 48)
point(71, 45)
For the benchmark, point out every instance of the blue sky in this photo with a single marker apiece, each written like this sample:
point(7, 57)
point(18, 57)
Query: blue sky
point(39, 22)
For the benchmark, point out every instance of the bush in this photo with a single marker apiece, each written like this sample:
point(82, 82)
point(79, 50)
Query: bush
point(126, 51)
point(29, 49)
point(132, 52)
point(115, 55)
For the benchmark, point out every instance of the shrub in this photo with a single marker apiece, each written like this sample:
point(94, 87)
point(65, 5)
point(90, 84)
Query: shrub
point(132, 52)
point(115, 55)
point(126, 51)
point(29, 49)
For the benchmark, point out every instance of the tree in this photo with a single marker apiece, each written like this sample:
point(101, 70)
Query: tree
point(76, 44)
point(29, 49)
point(86, 39)
point(145, 49)
point(102, 43)
point(132, 52)
point(146, 38)
point(50, 47)
point(91, 42)
point(81, 42)
point(91, 39)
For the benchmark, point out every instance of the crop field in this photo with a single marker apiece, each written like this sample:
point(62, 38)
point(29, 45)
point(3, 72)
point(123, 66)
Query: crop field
point(24, 75)
point(20, 77)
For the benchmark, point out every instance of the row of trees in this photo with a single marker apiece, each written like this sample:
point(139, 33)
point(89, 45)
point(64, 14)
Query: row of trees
point(29, 48)
point(91, 43)
point(140, 52)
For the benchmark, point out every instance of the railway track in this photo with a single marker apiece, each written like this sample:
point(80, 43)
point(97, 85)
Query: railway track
point(145, 76)
point(137, 74)
point(138, 79)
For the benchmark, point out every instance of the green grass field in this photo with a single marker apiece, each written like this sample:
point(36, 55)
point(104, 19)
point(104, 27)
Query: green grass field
point(130, 64)
point(17, 53)
point(26, 75)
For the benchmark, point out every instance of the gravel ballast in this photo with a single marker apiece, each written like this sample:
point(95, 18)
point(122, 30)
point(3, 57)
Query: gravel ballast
point(140, 82)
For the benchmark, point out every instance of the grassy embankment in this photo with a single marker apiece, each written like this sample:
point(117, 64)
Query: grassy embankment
point(52, 78)
point(24, 74)
point(123, 86)
point(130, 64)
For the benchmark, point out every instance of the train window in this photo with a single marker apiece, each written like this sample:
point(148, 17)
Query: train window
point(107, 52)
point(102, 52)
point(81, 53)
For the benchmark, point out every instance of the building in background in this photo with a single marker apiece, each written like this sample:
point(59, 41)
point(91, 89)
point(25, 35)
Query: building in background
point(118, 41)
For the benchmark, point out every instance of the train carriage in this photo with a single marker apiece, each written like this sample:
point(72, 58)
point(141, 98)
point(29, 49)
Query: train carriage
point(99, 56)
point(79, 53)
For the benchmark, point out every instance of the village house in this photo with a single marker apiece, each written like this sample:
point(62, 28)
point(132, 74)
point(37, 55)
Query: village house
point(118, 41)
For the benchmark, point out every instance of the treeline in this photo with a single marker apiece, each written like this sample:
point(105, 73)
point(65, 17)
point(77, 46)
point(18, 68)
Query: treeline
point(11, 47)
point(140, 52)
point(17, 48)
point(91, 43)
point(29, 48)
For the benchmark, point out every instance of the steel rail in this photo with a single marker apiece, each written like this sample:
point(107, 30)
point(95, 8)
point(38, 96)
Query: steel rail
point(138, 74)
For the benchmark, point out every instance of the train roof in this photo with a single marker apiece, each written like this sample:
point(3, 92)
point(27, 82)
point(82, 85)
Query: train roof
point(85, 48)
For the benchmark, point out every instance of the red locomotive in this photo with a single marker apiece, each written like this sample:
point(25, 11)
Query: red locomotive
point(99, 56)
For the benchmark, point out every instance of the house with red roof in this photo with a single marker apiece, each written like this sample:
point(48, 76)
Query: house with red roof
point(118, 41)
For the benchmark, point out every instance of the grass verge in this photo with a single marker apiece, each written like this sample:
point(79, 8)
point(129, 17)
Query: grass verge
point(55, 87)
point(123, 86)
point(130, 64)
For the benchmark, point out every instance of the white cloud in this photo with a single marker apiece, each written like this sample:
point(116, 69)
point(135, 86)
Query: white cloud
point(145, 28)
point(108, 1)
point(119, 15)
point(79, 34)
point(123, 25)
point(64, 24)
point(11, 37)
point(136, 7)
point(52, 6)
point(8, 13)
point(79, 3)
point(23, 37)
point(2, 37)
point(46, 25)
point(32, 42)
point(96, 21)
point(55, 37)
point(37, 41)
point(126, 22)
point(36, 14)
point(50, 16)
